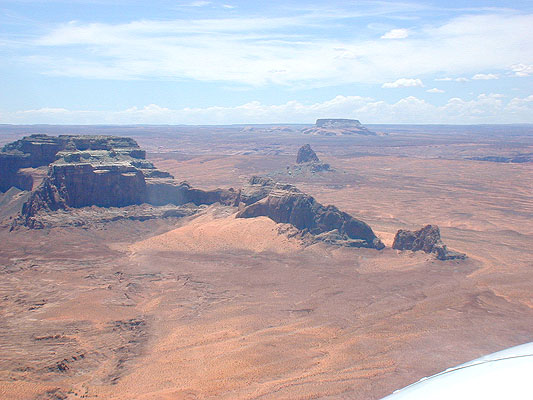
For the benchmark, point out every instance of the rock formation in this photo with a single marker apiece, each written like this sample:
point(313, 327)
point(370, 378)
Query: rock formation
point(41, 150)
point(307, 161)
point(426, 239)
point(336, 127)
point(102, 171)
point(95, 179)
point(306, 155)
point(284, 203)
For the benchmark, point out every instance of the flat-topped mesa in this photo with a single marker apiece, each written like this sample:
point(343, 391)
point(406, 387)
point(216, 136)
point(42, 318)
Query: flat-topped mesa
point(284, 203)
point(426, 239)
point(338, 126)
point(338, 123)
point(41, 150)
point(102, 171)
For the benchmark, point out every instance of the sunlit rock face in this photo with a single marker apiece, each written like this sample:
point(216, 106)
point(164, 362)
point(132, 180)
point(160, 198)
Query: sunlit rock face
point(284, 203)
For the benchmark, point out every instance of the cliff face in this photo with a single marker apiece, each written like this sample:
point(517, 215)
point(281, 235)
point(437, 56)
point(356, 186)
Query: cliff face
point(426, 239)
point(284, 203)
point(113, 185)
point(102, 171)
point(41, 150)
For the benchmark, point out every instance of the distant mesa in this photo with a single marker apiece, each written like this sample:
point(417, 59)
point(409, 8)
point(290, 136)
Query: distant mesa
point(284, 203)
point(426, 239)
point(338, 127)
point(267, 129)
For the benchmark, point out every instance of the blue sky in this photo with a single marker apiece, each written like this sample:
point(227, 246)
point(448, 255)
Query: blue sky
point(223, 62)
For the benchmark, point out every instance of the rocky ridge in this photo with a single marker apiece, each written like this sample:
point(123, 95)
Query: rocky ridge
point(284, 203)
point(426, 239)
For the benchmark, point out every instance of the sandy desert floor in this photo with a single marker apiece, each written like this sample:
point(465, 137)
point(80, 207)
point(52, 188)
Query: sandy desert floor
point(219, 308)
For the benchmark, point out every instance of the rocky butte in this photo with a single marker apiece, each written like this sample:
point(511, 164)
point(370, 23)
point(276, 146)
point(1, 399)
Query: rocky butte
point(306, 155)
point(307, 159)
point(338, 127)
point(426, 239)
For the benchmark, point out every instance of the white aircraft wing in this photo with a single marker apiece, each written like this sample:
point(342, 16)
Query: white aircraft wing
point(505, 375)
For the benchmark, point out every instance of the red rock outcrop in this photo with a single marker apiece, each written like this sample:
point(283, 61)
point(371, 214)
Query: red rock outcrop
point(426, 239)
point(306, 155)
point(284, 203)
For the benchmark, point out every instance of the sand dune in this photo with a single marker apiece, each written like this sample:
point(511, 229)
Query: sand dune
point(209, 234)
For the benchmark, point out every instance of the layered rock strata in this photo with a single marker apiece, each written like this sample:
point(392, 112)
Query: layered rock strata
point(284, 203)
point(102, 171)
point(426, 239)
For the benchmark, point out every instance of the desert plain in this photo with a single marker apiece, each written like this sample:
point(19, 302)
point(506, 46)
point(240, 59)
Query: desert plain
point(214, 307)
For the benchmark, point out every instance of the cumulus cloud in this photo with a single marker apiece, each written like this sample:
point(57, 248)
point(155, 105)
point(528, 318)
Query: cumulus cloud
point(522, 70)
point(396, 34)
point(485, 108)
point(485, 77)
point(435, 90)
point(246, 49)
point(403, 82)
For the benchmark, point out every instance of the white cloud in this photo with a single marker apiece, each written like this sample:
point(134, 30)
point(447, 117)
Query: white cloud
point(448, 79)
point(484, 77)
point(435, 90)
point(522, 70)
point(245, 50)
point(46, 110)
point(198, 3)
point(228, 6)
point(396, 34)
point(485, 108)
point(403, 82)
